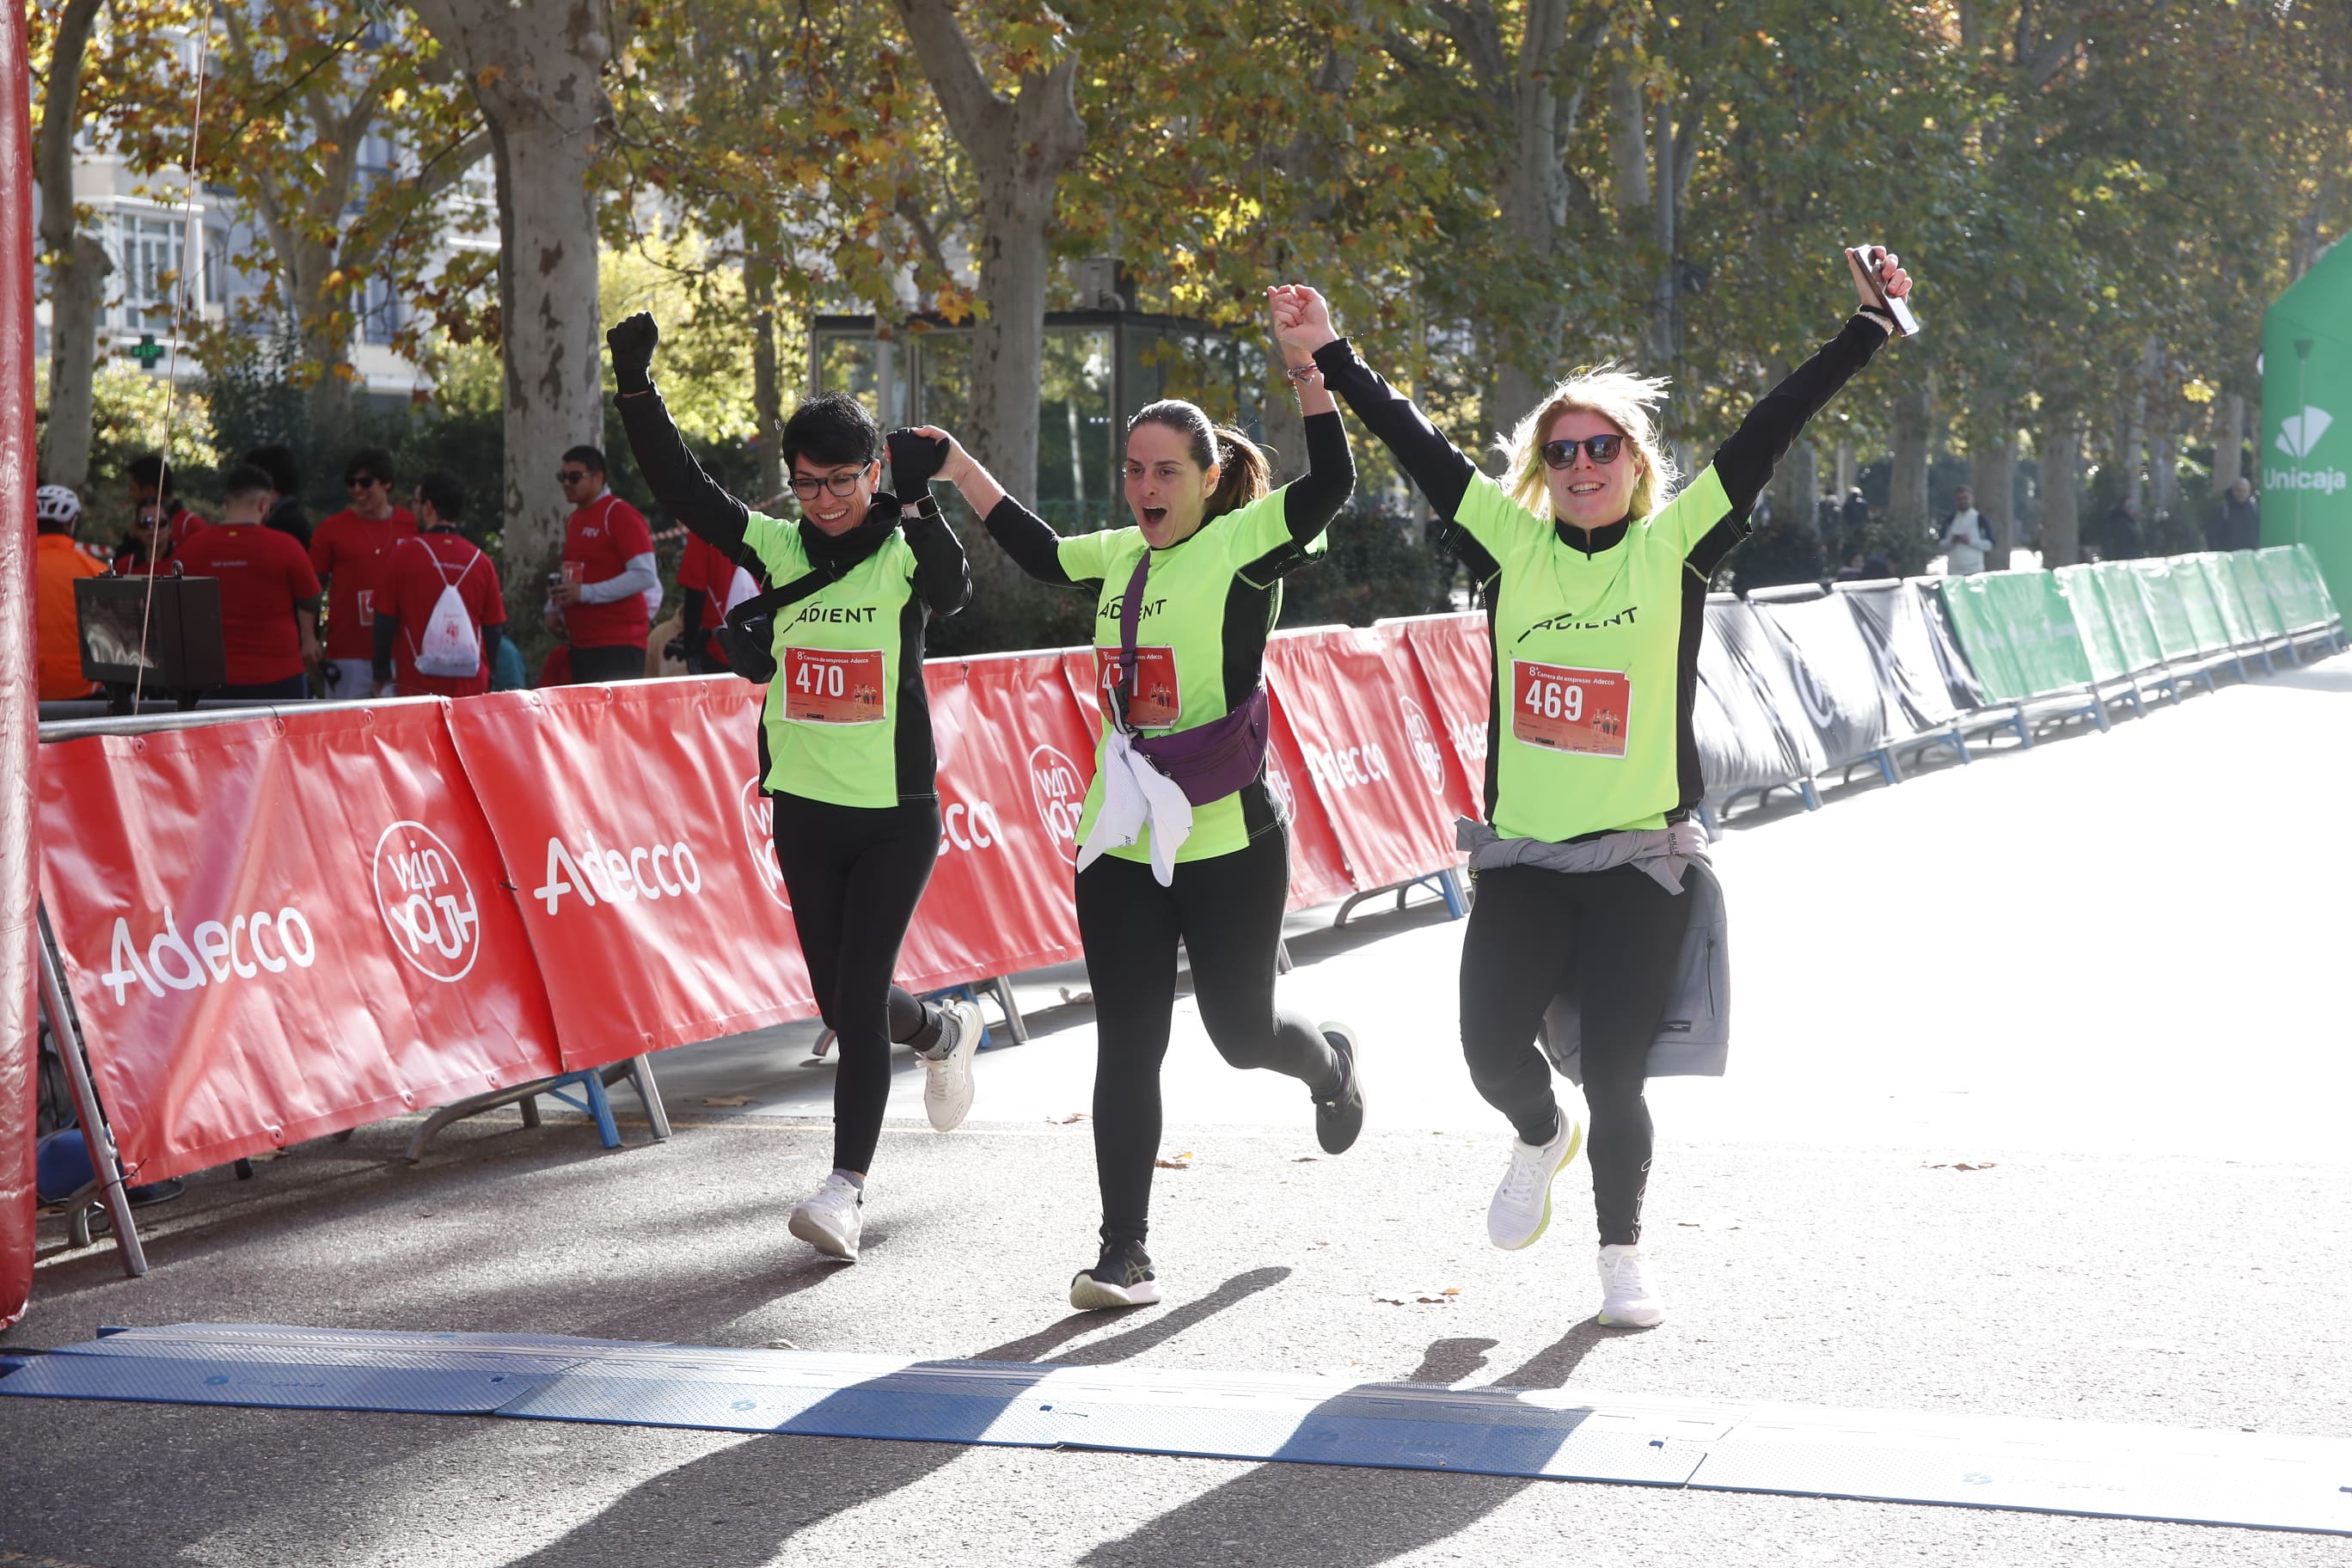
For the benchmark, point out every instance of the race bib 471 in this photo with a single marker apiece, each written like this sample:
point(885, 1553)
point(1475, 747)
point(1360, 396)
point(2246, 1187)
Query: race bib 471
point(1563, 709)
point(833, 686)
point(1155, 703)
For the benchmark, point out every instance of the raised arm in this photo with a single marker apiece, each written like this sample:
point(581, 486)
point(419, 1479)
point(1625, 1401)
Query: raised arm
point(1021, 533)
point(678, 481)
point(1441, 469)
point(1310, 501)
point(1746, 461)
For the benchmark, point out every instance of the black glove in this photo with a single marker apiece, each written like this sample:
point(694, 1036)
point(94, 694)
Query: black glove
point(914, 459)
point(632, 340)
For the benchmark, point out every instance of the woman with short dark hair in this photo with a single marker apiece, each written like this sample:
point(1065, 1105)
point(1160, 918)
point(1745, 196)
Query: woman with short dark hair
point(847, 738)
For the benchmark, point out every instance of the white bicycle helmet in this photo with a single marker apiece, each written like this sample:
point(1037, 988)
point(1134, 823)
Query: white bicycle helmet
point(56, 504)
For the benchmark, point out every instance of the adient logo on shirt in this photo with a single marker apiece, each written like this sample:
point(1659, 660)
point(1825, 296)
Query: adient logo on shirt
point(2298, 435)
point(1116, 605)
point(617, 875)
point(426, 902)
point(844, 615)
point(1572, 623)
point(214, 953)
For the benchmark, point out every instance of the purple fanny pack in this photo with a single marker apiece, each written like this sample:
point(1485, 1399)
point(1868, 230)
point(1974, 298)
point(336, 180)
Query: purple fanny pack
point(1207, 763)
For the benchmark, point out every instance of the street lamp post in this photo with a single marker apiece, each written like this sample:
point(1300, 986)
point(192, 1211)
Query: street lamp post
point(2301, 372)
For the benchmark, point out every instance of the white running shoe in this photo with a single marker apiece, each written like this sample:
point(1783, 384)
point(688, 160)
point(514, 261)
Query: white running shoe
point(1522, 1205)
point(947, 1086)
point(1628, 1300)
point(830, 1218)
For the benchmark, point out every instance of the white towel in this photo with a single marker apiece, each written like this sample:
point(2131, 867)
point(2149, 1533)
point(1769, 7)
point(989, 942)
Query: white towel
point(1137, 795)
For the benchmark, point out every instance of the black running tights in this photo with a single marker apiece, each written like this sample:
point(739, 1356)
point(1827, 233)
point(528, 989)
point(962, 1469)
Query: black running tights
point(855, 874)
point(1227, 911)
point(1612, 935)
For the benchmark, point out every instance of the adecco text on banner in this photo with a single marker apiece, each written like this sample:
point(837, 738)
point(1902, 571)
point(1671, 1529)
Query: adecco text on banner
point(963, 826)
point(210, 946)
point(426, 902)
point(1345, 767)
point(617, 876)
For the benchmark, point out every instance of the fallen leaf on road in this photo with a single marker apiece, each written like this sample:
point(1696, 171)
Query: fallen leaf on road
point(1076, 998)
point(1421, 1298)
point(1073, 1116)
point(1964, 1165)
point(729, 1100)
point(781, 1345)
point(1180, 1162)
point(1306, 1159)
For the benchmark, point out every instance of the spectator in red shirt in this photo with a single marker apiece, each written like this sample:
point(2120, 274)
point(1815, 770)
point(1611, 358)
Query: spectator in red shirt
point(712, 584)
point(416, 570)
point(608, 573)
point(268, 594)
point(348, 549)
point(58, 562)
point(150, 485)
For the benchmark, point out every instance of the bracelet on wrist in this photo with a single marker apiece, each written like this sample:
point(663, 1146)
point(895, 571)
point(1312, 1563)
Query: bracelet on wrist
point(1303, 374)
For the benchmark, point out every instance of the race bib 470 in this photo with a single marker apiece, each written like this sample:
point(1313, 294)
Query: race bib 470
point(1155, 703)
point(833, 686)
point(1564, 710)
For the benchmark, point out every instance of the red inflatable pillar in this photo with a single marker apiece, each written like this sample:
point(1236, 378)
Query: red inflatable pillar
point(19, 700)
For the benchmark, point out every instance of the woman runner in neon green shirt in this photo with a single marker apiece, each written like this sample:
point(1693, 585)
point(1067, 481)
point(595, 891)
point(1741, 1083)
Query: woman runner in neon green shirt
point(1592, 570)
point(1152, 874)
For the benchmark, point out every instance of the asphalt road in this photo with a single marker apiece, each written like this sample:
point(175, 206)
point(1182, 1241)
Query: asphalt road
point(2106, 973)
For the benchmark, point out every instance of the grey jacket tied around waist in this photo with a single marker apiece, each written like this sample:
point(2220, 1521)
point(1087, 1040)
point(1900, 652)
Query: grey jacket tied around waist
point(1695, 1032)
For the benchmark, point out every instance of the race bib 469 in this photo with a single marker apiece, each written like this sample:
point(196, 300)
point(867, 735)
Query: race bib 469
point(1564, 710)
point(833, 686)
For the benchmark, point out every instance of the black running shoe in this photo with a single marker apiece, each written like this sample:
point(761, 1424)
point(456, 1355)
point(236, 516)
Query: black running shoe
point(1338, 1119)
point(1123, 1279)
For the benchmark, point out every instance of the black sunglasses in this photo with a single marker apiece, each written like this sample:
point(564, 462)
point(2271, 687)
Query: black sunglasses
point(362, 481)
point(571, 476)
point(1603, 448)
point(841, 484)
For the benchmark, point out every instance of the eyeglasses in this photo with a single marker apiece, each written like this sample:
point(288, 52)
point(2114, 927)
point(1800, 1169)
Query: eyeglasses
point(841, 483)
point(362, 481)
point(571, 476)
point(1604, 449)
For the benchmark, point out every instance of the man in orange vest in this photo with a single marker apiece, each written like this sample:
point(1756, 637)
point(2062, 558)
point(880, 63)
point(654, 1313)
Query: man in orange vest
point(58, 562)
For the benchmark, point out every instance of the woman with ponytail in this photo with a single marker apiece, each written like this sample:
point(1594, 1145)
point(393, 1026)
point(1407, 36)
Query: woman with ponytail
point(1180, 841)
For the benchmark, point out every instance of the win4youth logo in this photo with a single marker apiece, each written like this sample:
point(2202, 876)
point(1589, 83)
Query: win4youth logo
point(2298, 435)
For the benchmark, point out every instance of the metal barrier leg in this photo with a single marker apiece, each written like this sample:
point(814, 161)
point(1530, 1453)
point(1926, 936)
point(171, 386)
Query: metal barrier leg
point(1811, 794)
point(1002, 986)
point(1282, 964)
point(600, 1106)
point(641, 1079)
point(1457, 897)
point(96, 1135)
point(531, 1110)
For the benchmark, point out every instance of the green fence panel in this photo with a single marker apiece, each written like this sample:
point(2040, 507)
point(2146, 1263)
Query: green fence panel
point(1984, 637)
point(2127, 610)
point(2214, 567)
point(2022, 615)
point(2289, 592)
point(2307, 565)
point(2174, 634)
point(2080, 584)
point(2205, 619)
point(2264, 611)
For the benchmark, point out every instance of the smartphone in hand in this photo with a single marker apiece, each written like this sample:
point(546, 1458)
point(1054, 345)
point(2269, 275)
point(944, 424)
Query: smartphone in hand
point(1865, 260)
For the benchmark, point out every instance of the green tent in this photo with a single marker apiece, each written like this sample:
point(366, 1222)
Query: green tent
point(2306, 451)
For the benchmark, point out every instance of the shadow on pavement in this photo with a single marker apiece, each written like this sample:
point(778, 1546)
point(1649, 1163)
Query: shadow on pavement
point(1365, 1515)
point(730, 1504)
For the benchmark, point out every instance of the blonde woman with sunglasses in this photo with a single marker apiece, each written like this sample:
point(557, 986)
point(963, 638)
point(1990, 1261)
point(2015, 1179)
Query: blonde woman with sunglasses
point(1592, 567)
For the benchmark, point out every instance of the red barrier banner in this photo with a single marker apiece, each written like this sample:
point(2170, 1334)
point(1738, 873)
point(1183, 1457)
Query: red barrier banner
point(19, 473)
point(278, 928)
point(1343, 709)
point(1433, 751)
point(641, 852)
point(1318, 872)
point(1015, 760)
point(1455, 665)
